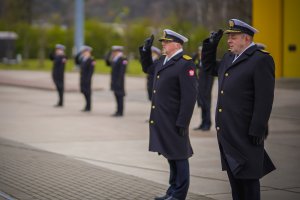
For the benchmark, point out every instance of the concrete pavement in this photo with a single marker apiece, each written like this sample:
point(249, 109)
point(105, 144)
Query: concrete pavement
point(120, 144)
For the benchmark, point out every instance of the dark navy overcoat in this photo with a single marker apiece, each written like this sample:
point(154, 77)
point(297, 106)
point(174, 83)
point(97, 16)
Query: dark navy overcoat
point(245, 98)
point(59, 62)
point(118, 76)
point(173, 100)
point(86, 72)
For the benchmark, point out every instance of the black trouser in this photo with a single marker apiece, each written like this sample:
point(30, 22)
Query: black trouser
point(60, 90)
point(179, 178)
point(243, 189)
point(120, 103)
point(87, 96)
point(204, 96)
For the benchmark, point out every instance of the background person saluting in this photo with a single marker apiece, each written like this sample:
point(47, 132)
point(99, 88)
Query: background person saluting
point(87, 64)
point(59, 61)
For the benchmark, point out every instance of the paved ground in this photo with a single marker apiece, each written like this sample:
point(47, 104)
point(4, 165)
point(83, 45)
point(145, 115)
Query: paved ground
point(93, 144)
point(29, 173)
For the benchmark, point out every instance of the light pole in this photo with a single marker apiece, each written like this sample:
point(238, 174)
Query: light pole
point(79, 25)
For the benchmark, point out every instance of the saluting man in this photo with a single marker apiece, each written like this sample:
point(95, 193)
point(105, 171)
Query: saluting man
point(245, 98)
point(173, 100)
point(87, 64)
point(59, 61)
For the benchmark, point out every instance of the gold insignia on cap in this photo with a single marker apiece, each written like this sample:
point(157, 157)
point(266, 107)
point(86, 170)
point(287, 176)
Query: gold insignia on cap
point(231, 23)
point(165, 34)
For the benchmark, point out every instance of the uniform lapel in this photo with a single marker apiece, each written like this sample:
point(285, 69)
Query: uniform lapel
point(243, 57)
point(161, 63)
point(227, 64)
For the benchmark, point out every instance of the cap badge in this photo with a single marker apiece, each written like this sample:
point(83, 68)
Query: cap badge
point(164, 36)
point(231, 23)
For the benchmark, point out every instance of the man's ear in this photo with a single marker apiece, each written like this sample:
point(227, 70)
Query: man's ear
point(249, 38)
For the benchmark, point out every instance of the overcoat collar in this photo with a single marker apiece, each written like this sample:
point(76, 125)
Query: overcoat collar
point(171, 62)
point(243, 57)
point(228, 62)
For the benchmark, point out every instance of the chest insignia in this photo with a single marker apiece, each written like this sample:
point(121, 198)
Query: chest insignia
point(191, 72)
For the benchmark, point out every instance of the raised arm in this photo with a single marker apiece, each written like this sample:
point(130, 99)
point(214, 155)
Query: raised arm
point(145, 53)
point(209, 53)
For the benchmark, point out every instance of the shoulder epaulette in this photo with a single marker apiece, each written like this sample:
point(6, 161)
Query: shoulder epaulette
point(187, 57)
point(264, 51)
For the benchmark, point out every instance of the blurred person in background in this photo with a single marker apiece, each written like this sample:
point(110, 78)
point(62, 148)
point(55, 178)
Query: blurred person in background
point(59, 61)
point(118, 63)
point(87, 65)
point(205, 84)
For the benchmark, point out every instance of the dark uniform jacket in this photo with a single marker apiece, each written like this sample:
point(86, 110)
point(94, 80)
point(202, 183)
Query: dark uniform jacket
point(118, 76)
point(173, 101)
point(86, 72)
point(150, 80)
point(245, 98)
point(58, 69)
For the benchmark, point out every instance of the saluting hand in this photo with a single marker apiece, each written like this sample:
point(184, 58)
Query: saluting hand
point(148, 43)
point(215, 37)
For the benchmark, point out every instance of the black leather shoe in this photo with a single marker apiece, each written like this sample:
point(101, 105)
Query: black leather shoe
point(162, 197)
point(117, 115)
point(171, 198)
point(205, 128)
point(58, 105)
point(86, 110)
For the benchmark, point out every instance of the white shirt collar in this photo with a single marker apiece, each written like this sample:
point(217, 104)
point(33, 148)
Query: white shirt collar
point(177, 52)
point(120, 54)
point(237, 56)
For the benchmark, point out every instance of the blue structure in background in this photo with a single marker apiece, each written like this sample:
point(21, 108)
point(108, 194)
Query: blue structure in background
point(79, 24)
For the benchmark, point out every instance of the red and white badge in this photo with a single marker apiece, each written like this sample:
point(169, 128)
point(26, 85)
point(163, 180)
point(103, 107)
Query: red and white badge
point(191, 72)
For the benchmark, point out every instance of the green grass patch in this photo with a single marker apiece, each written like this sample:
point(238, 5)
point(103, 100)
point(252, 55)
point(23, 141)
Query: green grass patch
point(134, 67)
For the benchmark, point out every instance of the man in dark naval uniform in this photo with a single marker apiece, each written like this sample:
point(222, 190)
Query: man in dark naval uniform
point(59, 61)
point(173, 100)
point(87, 64)
point(118, 63)
point(205, 85)
point(245, 98)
